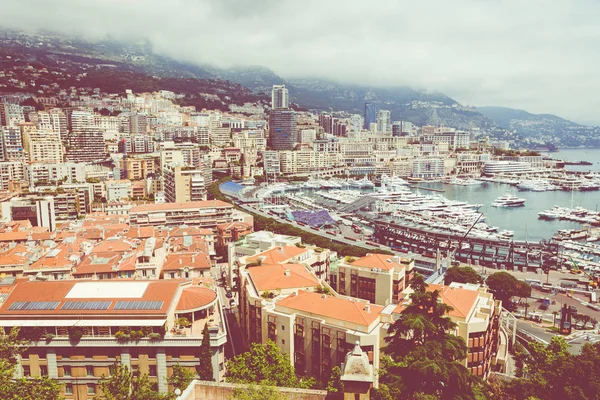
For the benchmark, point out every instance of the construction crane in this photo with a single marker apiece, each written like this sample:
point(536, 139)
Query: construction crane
point(459, 246)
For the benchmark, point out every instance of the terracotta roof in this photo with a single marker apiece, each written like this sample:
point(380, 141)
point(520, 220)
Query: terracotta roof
point(178, 245)
point(195, 297)
point(271, 277)
point(41, 236)
point(160, 290)
point(105, 263)
point(332, 307)
point(179, 206)
point(381, 261)
point(234, 225)
point(119, 246)
point(141, 232)
point(461, 300)
point(186, 231)
point(14, 257)
point(177, 261)
point(56, 258)
point(14, 236)
point(277, 255)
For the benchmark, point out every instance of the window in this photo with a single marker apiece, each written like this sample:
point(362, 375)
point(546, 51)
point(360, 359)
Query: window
point(68, 388)
point(152, 370)
point(67, 370)
point(91, 389)
point(43, 370)
point(282, 327)
point(282, 341)
point(89, 371)
point(26, 370)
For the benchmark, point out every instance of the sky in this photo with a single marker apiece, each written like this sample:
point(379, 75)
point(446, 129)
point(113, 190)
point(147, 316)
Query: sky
point(540, 56)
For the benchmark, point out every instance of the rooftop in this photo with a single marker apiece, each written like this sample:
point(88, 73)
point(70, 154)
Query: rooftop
point(276, 255)
point(282, 276)
point(179, 206)
point(332, 307)
point(461, 300)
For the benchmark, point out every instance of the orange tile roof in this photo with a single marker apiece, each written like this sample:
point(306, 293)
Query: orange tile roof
point(119, 246)
point(40, 236)
point(461, 300)
point(177, 244)
point(14, 236)
point(195, 297)
point(332, 307)
point(271, 277)
point(177, 261)
point(179, 206)
point(187, 231)
point(14, 257)
point(57, 258)
point(277, 255)
point(141, 232)
point(105, 263)
point(381, 261)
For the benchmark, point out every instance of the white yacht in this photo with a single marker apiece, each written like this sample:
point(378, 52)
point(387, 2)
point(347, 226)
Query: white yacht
point(508, 200)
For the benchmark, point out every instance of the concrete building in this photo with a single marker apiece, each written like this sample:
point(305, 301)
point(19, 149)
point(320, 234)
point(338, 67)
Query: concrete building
point(128, 321)
point(232, 232)
point(12, 144)
point(205, 214)
point(454, 138)
point(45, 173)
point(39, 211)
point(426, 168)
point(378, 278)
point(506, 167)
point(118, 190)
point(184, 184)
point(369, 116)
point(11, 114)
point(282, 129)
point(384, 121)
point(86, 146)
point(138, 166)
point(11, 172)
point(41, 146)
point(279, 97)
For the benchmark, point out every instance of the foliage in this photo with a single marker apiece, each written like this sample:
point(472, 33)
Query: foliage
point(426, 358)
point(121, 385)
point(461, 275)
point(75, 333)
point(155, 336)
point(205, 365)
point(323, 290)
point(122, 337)
point(335, 387)
point(11, 345)
point(183, 321)
point(552, 373)
point(504, 286)
point(263, 364)
point(252, 392)
point(181, 377)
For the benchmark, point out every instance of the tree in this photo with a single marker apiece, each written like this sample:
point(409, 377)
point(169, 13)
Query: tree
point(205, 370)
point(181, 377)
point(121, 385)
point(552, 373)
point(335, 387)
point(263, 364)
point(425, 359)
point(504, 286)
point(11, 345)
point(461, 275)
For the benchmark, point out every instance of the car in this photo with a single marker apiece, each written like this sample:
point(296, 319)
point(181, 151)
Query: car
point(229, 295)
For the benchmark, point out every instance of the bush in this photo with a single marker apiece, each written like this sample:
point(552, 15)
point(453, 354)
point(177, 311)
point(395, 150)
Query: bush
point(155, 336)
point(122, 337)
point(136, 335)
point(75, 333)
point(49, 337)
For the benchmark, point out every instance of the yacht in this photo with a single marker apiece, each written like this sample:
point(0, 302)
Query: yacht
point(508, 200)
point(548, 215)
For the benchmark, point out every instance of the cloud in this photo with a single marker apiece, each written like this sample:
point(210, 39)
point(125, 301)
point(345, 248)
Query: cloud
point(538, 55)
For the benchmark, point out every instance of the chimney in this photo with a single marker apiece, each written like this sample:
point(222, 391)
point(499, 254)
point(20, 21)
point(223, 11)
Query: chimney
point(180, 262)
point(280, 248)
point(367, 308)
point(323, 296)
point(287, 272)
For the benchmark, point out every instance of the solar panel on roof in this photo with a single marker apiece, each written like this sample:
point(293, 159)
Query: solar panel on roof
point(138, 305)
point(86, 305)
point(34, 305)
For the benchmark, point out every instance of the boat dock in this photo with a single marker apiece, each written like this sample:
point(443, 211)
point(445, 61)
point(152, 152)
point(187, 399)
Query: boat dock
point(426, 188)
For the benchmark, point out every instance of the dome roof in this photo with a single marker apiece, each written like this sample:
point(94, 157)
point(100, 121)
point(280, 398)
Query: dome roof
point(196, 297)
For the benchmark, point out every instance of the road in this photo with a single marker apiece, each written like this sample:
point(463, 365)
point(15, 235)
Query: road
point(235, 343)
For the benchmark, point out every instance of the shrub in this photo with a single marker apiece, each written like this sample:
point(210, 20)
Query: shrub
point(122, 337)
point(136, 335)
point(75, 333)
point(155, 336)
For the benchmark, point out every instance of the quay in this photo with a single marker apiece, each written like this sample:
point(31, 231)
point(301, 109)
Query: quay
point(485, 252)
point(426, 188)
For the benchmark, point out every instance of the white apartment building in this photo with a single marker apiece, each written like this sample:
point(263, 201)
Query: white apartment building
point(65, 172)
point(454, 138)
point(426, 168)
point(118, 190)
point(41, 146)
point(11, 171)
point(12, 143)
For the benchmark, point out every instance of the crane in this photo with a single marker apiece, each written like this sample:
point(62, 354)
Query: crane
point(463, 238)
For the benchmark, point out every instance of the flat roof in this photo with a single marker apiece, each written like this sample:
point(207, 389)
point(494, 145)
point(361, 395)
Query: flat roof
point(107, 290)
point(179, 206)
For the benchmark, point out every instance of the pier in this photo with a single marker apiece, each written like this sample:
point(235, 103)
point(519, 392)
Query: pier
point(491, 253)
point(426, 188)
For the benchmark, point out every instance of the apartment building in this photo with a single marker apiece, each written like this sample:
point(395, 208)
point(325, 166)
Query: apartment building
point(477, 315)
point(118, 190)
point(378, 278)
point(184, 184)
point(11, 171)
point(317, 330)
point(12, 143)
point(67, 172)
point(39, 211)
point(86, 326)
point(41, 146)
point(205, 214)
point(138, 167)
point(454, 138)
point(86, 146)
point(232, 232)
point(428, 167)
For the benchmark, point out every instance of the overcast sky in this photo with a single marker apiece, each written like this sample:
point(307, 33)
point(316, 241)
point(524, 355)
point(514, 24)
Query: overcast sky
point(541, 56)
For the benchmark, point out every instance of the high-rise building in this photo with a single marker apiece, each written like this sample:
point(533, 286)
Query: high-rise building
point(357, 122)
point(138, 124)
point(369, 116)
point(279, 97)
point(81, 120)
point(384, 121)
point(54, 119)
point(282, 129)
point(11, 114)
point(184, 184)
point(87, 146)
point(41, 145)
